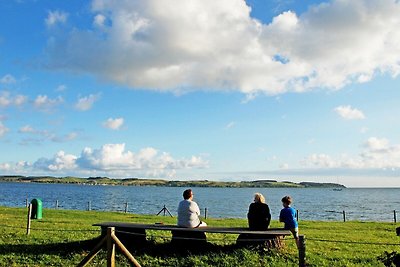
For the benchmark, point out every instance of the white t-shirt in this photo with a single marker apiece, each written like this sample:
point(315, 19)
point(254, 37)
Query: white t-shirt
point(188, 214)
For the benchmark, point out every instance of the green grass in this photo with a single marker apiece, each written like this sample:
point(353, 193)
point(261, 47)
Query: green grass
point(64, 237)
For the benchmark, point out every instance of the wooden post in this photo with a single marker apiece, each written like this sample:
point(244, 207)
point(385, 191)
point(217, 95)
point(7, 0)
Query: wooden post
point(89, 206)
point(344, 216)
point(93, 253)
point(126, 207)
point(205, 213)
point(56, 204)
point(28, 224)
point(125, 251)
point(394, 216)
point(110, 247)
point(297, 215)
point(302, 251)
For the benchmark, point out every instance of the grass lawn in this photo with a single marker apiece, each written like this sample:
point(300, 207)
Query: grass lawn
point(64, 237)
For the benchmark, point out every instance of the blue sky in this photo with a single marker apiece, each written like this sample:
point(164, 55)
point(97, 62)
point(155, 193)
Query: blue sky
point(217, 90)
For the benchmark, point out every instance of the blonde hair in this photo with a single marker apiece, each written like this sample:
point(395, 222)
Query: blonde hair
point(258, 197)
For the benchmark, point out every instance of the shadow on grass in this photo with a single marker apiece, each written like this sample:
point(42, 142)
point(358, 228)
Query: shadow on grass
point(61, 249)
point(150, 248)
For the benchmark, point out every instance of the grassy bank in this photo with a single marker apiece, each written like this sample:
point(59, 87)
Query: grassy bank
point(62, 238)
point(160, 182)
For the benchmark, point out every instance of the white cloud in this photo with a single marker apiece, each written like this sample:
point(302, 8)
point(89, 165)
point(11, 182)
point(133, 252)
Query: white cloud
point(64, 138)
point(59, 162)
point(85, 103)
point(44, 135)
point(61, 88)
point(99, 20)
point(54, 17)
point(20, 167)
point(378, 153)
point(8, 79)
point(349, 113)
point(182, 46)
point(27, 129)
point(6, 99)
point(113, 124)
point(112, 159)
point(19, 100)
point(43, 102)
point(3, 129)
point(377, 144)
point(320, 160)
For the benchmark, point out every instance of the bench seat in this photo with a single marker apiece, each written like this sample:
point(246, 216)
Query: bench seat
point(132, 233)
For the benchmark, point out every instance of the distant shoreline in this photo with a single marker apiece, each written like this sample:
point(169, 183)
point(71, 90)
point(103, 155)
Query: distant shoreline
point(166, 183)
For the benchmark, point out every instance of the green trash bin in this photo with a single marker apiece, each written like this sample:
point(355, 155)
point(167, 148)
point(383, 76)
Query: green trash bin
point(36, 208)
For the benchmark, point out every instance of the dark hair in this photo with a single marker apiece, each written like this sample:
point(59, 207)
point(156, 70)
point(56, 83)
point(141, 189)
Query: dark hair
point(187, 193)
point(287, 200)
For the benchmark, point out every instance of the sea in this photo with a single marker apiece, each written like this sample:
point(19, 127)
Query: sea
point(321, 204)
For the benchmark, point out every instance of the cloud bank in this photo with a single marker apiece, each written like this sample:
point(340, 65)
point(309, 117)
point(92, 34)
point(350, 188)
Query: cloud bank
point(110, 159)
point(377, 153)
point(181, 46)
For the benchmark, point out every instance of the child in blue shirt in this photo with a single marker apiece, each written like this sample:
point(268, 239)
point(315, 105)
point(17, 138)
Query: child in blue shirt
point(288, 216)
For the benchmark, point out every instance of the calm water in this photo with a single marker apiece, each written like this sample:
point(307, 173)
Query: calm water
point(365, 204)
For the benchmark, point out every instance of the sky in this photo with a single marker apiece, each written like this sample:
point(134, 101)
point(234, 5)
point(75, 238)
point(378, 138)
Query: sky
point(226, 90)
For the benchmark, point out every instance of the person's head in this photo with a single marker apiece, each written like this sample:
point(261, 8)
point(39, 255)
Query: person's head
point(286, 201)
point(259, 198)
point(187, 194)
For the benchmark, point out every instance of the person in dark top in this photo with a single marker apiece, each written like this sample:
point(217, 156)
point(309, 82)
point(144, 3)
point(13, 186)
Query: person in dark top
point(259, 215)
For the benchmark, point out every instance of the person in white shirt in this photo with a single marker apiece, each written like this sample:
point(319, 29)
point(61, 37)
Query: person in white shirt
point(189, 212)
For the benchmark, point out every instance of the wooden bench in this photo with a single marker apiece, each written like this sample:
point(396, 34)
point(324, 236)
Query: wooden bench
point(131, 233)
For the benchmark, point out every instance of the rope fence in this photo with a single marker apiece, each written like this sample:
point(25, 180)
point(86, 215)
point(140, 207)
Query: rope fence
point(326, 215)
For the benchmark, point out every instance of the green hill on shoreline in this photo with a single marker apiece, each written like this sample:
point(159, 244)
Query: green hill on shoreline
point(160, 182)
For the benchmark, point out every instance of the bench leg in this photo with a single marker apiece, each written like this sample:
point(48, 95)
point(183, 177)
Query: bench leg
point(256, 239)
point(189, 239)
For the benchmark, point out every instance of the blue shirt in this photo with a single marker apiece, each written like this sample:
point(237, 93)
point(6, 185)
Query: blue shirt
point(288, 216)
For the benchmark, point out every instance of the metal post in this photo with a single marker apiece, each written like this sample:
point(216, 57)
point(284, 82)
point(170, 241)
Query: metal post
point(344, 216)
point(394, 214)
point(126, 207)
point(56, 204)
point(205, 213)
point(26, 203)
point(28, 224)
point(302, 251)
point(89, 206)
point(164, 209)
point(297, 215)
